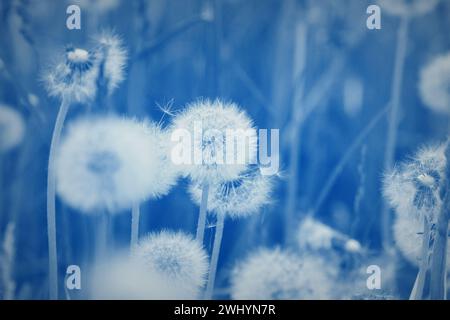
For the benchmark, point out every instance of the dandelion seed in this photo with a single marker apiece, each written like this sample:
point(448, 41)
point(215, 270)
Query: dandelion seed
point(12, 128)
point(239, 197)
point(408, 7)
point(177, 259)
point(434, 84)
point(75, 78)
point(413, 187)
point(113, 57)
point(112, 163)
point(276, 274)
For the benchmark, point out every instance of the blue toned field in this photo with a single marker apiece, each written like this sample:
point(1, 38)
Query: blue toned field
point(224, 149)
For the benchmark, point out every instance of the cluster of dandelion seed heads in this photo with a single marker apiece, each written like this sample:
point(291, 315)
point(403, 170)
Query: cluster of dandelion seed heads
point(12, 128)
point(215, 118)
point(413, 187)
point(175, 257)
point(236, 198)
point(277, 274)
point(111, 163)
point(114, 57)
point(434, 84)
point(408, 7)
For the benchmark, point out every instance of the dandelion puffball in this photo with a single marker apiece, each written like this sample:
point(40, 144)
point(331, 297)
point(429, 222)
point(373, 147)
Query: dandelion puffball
point(111, 163)
point(240, 197)
point(407, 7)
point(113, 56)
point(208, 122)
point(434, 84)
point(177, 259)
point(276, 274)
point(412, 188)
point(75, 77)
point(12, 128)
point(408, 236)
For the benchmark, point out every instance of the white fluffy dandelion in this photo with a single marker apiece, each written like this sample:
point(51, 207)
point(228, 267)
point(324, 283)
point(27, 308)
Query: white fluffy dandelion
point(413, 187)
point(276, 274)
point(207, 122)
point(408, 7)
point(177, 259)
point(111, 164)
point(434, 84)
point(75, 77)
point(12, 128)
point(239, 197)
point(113, 57)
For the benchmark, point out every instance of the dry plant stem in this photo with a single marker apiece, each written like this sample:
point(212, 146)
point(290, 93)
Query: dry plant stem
point(396, 87)
point(202, 215)
point(419, 284)
point(135, 213)
point(51, 201)
point(215, 256)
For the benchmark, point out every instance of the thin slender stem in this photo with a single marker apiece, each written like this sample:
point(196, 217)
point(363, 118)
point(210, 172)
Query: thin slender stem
point(51, 201)
point(419, 284)
point(102, 236)
point(135, 213)
point(396, 88)
point(215, 256)
point(202, 215)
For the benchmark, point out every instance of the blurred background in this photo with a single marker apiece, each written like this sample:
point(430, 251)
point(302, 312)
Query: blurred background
point(310, 68)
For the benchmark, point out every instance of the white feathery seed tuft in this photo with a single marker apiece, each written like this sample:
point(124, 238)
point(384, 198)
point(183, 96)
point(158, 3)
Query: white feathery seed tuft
point(236, 198)
point(214, 118)
point(434, 84)
point(276, 274)
point(177, 259)
point(12, 128)
point(111, 163)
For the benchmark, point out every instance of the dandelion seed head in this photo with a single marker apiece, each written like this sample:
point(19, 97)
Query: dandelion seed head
point(215, 118)
point(113, 57)
point(237, 198)
point(412, 188)
point(408, 7)
point(12, 128)
point(271, 274)
point(111, 163)
point(176, 258)
point(434, 84)
point(75, 77)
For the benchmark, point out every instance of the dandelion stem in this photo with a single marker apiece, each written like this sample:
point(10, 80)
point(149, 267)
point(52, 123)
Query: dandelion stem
point(202, 215)
point(51, 201)
point(102, 236)
point(215, 256)
point(396, 86)
point(135, 213)
point(419, 284)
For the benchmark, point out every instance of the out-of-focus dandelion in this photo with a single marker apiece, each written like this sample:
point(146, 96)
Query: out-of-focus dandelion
point(113, 164)
point(408, 7)
point(314, 235)
point(12, 128)
point(125, 278)
point(207, 123)
point(113, 60)
point(276, 274)
point(176, 259)
point(353, 95)
point(240, 197)
point(434, 85)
